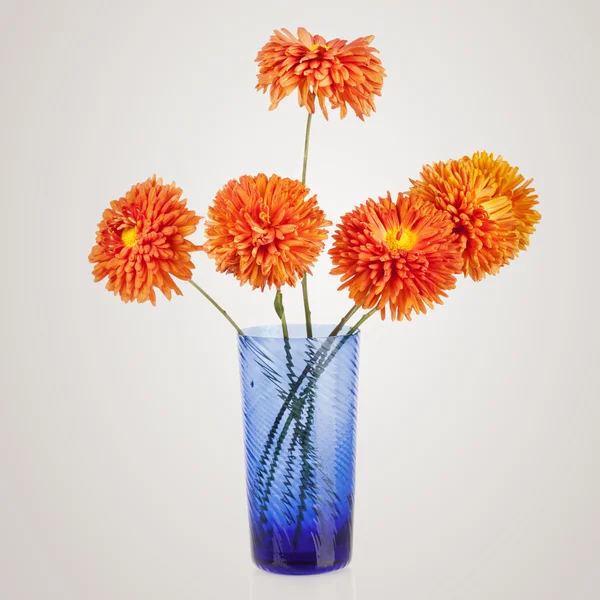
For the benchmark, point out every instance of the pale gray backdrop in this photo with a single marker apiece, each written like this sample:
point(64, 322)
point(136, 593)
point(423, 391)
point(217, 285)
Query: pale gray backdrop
point(121, 471)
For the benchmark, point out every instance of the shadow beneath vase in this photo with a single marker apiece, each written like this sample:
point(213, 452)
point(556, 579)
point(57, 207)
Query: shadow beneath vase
point(337, 585)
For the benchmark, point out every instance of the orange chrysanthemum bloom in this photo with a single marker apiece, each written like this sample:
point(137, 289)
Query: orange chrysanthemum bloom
point(481, 217)
point(141, 245)
point(335, 70)
point(264, 231)
point(399, 254)
point(512, 185)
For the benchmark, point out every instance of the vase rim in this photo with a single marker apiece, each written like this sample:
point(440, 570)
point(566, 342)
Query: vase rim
point(297, 331)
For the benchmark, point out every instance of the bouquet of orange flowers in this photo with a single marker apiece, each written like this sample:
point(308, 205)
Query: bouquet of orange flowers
point(397, 254)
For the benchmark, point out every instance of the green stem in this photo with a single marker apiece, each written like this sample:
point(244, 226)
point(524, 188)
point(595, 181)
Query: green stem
point(307, 317)
point(362, 320)
point(281, 314)
point(305, 277)
point(312, 366)
point(344, 320)
point(312, 370)
point(214, 303)
point(306, 139)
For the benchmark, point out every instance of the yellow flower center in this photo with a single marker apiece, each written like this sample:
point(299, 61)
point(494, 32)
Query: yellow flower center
point(129, 236)
point(315, 46)
point(406, 241)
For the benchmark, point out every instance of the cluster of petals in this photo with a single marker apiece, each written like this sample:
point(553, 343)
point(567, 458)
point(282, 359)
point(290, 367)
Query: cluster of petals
point(511, 184)
point(141, 242)
point(398, 254)
point(490, 204)
point(265, 231)
point(337, 72)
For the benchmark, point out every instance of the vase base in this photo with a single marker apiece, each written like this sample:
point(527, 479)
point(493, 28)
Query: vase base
point(299, 568)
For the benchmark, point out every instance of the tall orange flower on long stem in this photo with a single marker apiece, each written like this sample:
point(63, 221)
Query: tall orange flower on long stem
point(141, 242)
point(334, 71)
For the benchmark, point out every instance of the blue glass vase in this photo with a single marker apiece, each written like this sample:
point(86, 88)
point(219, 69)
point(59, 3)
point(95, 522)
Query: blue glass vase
point(299, 400)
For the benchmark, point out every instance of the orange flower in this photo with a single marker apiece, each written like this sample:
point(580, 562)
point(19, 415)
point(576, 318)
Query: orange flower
point(264, 231)
point(512, 185)
point(140, 243)
point(402, 254)
point(335, 70)
point(481, 217)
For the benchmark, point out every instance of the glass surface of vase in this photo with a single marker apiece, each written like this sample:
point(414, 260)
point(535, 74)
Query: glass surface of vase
point(299, 402)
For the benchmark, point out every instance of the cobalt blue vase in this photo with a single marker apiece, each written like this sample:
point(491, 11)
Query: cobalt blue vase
point(299, 400)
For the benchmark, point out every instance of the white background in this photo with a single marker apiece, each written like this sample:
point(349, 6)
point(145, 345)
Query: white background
point(121, 453)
